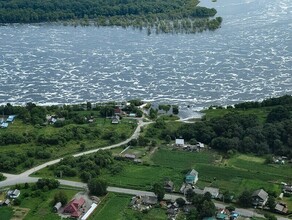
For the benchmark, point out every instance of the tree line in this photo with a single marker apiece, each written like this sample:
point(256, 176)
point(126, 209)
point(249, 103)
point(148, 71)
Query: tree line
point(86, 167)
point(142, 13)
point(242, 132)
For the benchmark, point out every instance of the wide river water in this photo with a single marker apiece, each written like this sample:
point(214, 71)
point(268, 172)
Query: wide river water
point(249, 58)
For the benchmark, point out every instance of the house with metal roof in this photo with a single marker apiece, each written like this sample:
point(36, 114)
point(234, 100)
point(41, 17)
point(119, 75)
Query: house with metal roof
point(259, 197)
point(192, 177)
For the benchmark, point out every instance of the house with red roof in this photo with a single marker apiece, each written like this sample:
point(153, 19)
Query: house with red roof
point(73, 207)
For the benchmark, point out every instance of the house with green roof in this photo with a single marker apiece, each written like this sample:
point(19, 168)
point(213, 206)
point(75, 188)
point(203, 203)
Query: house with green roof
point(192, 177)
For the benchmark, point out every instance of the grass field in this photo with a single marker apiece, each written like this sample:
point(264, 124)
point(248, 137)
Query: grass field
point(181, 160)
point(111, 207)
point(141, 176)
point(115, 206)
point(6, 213)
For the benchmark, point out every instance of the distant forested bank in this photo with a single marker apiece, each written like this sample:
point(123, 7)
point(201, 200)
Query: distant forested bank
point(251, 127)
point(161, 16)
point(260, 128)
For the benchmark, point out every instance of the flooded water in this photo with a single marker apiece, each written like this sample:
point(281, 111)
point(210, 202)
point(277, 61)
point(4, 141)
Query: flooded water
point(249, 58)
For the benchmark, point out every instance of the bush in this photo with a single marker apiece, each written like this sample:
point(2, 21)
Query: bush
point(16, 201)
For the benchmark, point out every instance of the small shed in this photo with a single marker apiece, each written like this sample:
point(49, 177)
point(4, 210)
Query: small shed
point(130, 156)
point(57, 207)
point(179, 142)
point(132, 115)
point(6, 202)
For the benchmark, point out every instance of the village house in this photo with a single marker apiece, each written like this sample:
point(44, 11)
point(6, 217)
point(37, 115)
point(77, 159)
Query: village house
point(287, 189)
point(4, 125)
point(74, 207)
point(259, 197)
point(192, 177)
point(185, 187)
point(149, 200)
point(168, 186)
point(200, 145)
point(10, 118)
point(213, 191)
point(13, 193)
point(115, 119)
point(281, 208)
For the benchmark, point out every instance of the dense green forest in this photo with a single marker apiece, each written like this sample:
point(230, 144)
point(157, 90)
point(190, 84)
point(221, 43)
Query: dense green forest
point(245, 132)
point(159, 15)
point(251, 127)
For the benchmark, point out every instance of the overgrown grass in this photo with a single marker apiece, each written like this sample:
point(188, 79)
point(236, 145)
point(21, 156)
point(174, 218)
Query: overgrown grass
point(6, 213)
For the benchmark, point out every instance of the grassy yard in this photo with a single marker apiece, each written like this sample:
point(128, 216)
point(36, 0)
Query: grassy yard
point(6, 213)
point(111, 207)
point(115, 206)
point(40, 205)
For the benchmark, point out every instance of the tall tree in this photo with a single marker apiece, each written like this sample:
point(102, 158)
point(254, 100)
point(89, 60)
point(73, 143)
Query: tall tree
point(159, 191)
point(97, 187)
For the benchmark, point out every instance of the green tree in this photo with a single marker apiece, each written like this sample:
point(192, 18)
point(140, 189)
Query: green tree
point(159, 191)
point(190, 195)
point(245, 199)
point(271, 203)
point(278, 114)
point(269, 216)
point(208, 209)
point(97, 187)
point(193, 214)
point(16, 202)
point(180, 201)
point(60, 197)
point(85, 176)
point(88, 105)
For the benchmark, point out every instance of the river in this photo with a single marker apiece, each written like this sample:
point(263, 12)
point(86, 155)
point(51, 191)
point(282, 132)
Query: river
point(248, 58)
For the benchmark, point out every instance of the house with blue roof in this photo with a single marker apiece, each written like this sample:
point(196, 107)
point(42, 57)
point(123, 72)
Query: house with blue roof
point(192, 177)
